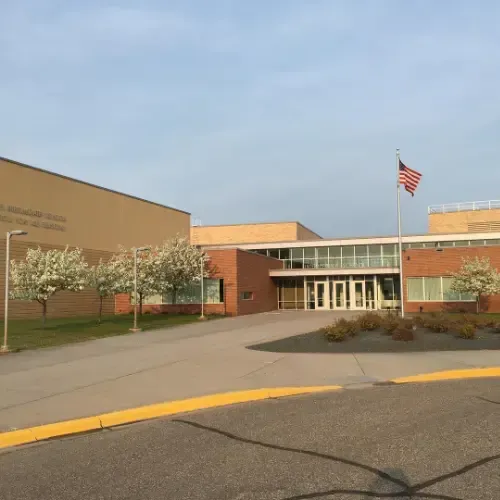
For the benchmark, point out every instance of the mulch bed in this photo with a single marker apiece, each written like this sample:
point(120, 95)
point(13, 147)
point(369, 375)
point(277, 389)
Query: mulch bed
point(376, 341)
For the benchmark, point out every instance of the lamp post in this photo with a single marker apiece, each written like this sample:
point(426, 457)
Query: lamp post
point(136, 251)
point(202, 270)
point(9, 234)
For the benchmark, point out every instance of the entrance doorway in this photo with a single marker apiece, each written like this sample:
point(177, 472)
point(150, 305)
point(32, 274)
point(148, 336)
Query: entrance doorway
point(321, 295)
point(359, 301)
point(339, 296)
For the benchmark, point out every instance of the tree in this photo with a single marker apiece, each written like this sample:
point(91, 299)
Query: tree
point(476, 277)
point(146, 284)
point(105, 278)
point(42, 274)
point(177, 264)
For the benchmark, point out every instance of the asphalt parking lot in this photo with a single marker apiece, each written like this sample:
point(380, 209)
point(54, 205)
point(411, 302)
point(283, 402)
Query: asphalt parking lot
point(438, 440)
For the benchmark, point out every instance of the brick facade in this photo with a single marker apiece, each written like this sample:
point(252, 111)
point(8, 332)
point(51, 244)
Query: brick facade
point(242, 272)
point(472, 221)
point(251, 233)
point(429, 262)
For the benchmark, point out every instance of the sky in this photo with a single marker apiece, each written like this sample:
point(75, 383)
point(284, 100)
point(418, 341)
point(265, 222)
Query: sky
point(259, 111)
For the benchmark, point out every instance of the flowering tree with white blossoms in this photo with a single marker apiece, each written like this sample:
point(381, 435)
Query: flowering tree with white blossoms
point(105, 278)
point(476, 277)
point(177, 264)
point(146, 283)
point(42, 274)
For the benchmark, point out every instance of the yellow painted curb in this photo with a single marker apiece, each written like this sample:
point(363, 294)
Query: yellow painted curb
point(451, 375)
point(68, 427)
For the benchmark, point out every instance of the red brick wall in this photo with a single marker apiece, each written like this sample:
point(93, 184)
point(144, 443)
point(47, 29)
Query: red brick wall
point(253, 276)
point(242, 272)
point(429, 262)
point(223, 264)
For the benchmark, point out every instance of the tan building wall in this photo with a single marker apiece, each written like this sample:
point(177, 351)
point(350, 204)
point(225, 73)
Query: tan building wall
point(473, 221)
point(251, 233)
point(57, 210)
point(61, 304)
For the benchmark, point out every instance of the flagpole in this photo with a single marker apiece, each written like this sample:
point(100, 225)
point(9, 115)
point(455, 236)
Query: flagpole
point(400, 243)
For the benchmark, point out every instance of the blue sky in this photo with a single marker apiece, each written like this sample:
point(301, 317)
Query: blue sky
point(259, 111)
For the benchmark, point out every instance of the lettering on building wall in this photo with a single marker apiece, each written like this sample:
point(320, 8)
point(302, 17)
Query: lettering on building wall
point(19, 216)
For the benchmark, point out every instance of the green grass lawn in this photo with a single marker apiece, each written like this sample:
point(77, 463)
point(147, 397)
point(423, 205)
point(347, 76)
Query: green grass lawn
point(29, 334)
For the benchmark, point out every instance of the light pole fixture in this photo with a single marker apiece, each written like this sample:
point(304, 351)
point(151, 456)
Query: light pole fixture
point(136, 251)
point(9, 234)
point(202, 270)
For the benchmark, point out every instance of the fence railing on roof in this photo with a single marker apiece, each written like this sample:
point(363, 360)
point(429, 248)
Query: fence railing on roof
point(463, 207)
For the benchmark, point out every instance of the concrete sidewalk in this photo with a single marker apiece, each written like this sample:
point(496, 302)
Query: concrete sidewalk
point(50, 385)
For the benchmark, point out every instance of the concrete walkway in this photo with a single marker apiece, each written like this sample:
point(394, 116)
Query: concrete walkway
point(48, 385)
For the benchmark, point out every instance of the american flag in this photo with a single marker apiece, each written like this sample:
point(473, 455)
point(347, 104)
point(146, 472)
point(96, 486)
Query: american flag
point(409, 178)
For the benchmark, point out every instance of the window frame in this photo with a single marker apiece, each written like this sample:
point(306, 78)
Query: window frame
point(423, 278)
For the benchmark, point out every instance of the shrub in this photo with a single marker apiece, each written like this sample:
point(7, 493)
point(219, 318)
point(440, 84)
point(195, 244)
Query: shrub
point(370, 321)
point(438, 324)
point(467, 331)
point(340, 330)
point(403, 333)
point(419, 321)
point(390, 324)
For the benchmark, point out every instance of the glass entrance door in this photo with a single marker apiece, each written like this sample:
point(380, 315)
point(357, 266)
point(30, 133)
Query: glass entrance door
point(339, 295)
point(321, 295)
point(359, 301)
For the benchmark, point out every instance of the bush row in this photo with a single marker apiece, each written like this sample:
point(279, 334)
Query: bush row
point(465, 325)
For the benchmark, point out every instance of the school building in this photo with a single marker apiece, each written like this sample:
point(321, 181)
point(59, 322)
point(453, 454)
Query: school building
point(257, 267)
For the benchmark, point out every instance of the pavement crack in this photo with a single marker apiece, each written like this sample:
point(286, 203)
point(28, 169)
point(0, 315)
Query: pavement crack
point(77, 388)
point(359, 364)
point(262, 367)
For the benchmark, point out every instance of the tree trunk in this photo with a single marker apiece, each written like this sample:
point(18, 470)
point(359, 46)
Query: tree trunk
point(174, 295)
point(101, 298)
point(140, 304)
point(44, 313)
point(478, 304)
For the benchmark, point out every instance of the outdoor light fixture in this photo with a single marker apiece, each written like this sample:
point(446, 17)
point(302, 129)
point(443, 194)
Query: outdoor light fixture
point(9, 234)
point(136, 251)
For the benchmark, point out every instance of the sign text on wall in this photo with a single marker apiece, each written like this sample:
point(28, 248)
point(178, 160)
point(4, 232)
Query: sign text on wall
point(18, 215)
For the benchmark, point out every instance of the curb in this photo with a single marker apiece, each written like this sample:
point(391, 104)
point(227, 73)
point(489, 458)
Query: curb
point(113, 419)
point(467, 373)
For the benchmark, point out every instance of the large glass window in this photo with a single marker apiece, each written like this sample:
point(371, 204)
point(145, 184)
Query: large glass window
point(415, 288)
point(432, 289)
point(213, 293)
point(291, 293)
point(284, 253)
point(448, 294)
point(435, 289)
point(335, 260)
point(297, 258)
point(348, 257)
point(322, 253)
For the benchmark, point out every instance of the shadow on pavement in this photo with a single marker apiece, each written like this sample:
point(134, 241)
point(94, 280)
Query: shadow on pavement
point(388, 483)
point(365, 342)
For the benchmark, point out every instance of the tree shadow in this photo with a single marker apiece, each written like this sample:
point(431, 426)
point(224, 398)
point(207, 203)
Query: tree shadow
point(385, 479)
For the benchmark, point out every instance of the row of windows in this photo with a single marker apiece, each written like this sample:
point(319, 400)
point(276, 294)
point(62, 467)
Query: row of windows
point(436, 289)
point(363, 251)
point(213, 293)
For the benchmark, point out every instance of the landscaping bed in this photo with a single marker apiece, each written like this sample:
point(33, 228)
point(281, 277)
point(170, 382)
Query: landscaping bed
point(385, 333)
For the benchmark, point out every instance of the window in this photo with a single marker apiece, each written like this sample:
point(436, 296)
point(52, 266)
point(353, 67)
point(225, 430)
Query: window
point(415, 288)
point(213, 293)
point(246, 295)
point(448, 294)
point(435, 289)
